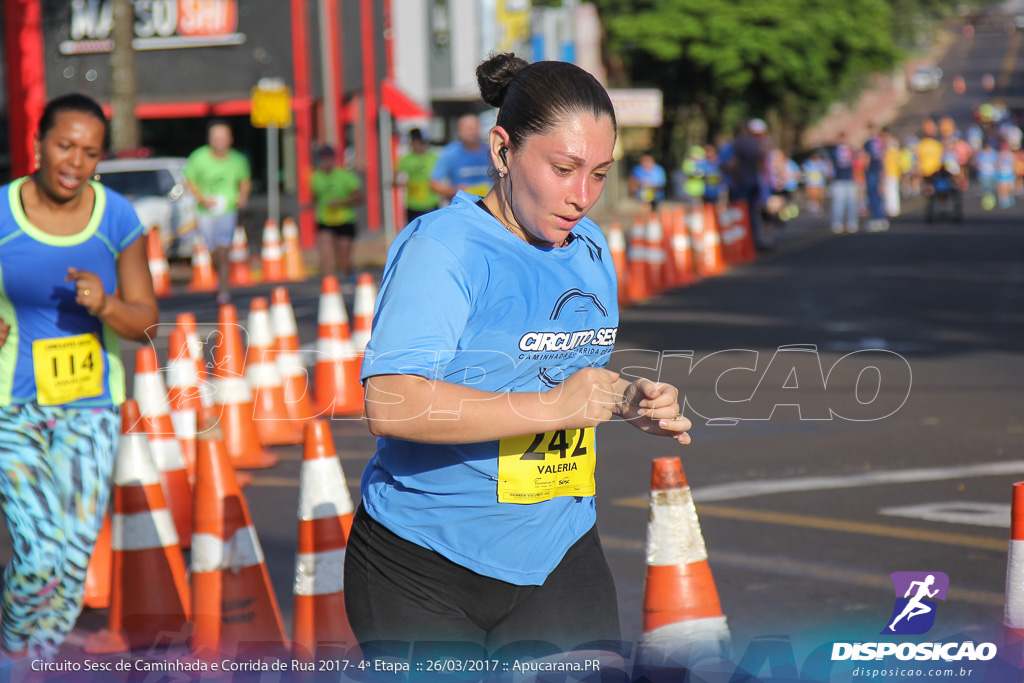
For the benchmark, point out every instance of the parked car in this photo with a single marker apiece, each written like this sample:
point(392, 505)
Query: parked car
point(157, 189)
point(926, 78)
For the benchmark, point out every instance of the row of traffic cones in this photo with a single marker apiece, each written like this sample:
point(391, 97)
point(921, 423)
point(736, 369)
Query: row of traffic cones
point(262, 402)
point(280, 259)
point(226, 602)
point(677, 247)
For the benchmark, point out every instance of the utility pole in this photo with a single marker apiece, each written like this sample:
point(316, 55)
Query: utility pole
point(125, 132)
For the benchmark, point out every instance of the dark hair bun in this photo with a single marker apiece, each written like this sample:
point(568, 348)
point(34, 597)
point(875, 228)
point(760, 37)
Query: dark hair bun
point(494, 75)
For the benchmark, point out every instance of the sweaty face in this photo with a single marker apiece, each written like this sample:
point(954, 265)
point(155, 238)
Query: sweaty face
point(555, 178)
point(68, 154)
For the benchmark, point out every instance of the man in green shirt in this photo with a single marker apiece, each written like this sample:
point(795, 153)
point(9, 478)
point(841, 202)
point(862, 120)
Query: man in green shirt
point(414, 173)
point(220, 178)
point(336, 190)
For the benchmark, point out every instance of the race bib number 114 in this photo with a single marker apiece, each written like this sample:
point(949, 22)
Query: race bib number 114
point(67, 368)
point(540, 467)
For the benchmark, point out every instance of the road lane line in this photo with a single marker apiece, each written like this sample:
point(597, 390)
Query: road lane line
point(807, 570)
point(840, 525)
point(749, 489)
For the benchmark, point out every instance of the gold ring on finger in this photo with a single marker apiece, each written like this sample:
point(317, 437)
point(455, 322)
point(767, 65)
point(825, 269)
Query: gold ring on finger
point(85, 292)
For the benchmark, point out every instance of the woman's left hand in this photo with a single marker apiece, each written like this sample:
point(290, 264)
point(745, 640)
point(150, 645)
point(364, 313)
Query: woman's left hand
point(653, 407)
point(88, 290)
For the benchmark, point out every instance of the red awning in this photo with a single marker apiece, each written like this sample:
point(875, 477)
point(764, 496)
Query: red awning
point(399, 104)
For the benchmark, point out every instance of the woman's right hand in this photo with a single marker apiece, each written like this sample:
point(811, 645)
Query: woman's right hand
point(586, 399)
point(5, 330)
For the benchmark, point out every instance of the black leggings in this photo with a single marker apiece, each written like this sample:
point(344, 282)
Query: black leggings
point(396, 590)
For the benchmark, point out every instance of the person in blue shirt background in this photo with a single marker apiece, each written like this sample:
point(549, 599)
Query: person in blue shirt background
point(66, 244)
point(501, 314)
point(647, 182)
point(463, 163)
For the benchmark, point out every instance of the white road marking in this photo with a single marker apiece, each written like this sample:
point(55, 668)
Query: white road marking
point(749, 489)
point(955, 512)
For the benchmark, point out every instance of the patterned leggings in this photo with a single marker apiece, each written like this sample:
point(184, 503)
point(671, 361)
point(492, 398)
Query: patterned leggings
point(55, 468)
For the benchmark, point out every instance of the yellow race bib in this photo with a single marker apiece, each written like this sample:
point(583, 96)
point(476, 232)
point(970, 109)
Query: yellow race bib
point(67, 368)
point(540, 467)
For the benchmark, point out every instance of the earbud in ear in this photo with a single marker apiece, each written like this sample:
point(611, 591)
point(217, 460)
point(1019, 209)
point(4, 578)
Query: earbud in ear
point(502, 152)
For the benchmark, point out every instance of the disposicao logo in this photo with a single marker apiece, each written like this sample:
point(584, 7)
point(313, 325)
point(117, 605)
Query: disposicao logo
point(914, 614)
point(916, 593)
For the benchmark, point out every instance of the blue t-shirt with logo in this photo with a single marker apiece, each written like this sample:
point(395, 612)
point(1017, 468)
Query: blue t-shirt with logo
point(464, 169)
point(465, 301)
point(39, 305)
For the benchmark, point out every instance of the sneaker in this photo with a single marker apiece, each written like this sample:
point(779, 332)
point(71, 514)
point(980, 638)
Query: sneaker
point(837, 228)
point(852, 227)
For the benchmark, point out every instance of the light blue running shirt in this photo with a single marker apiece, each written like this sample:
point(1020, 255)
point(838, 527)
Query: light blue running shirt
point(465, 301)
point(51, 335)
point(463, 168)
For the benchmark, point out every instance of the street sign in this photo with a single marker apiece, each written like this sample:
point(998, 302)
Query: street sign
point(637, 107)
point(271, 104)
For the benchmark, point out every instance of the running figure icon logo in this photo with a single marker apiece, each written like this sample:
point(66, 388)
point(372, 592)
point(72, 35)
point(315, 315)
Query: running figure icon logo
point(916, 593)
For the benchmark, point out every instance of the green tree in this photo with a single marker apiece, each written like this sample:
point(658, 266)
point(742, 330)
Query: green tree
point(721, 60)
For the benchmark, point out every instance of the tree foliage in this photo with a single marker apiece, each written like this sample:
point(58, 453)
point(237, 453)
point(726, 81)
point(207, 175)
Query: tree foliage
point(749, 56)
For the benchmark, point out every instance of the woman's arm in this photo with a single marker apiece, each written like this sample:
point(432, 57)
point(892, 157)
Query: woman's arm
point(417, 409)
point(132, 316)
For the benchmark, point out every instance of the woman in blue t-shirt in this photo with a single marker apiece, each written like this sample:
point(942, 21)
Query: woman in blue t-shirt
point(66, 245)
point(485, 378)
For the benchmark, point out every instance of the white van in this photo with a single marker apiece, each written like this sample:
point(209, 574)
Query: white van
point(156, 188)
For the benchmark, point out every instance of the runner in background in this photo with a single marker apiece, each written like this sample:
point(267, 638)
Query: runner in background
point(336, 191)
point(815, 172)
point(219, 177)
point(463, 163)
point(413, 173)
point(844, 188)
point(891, 175)
point(647, 182)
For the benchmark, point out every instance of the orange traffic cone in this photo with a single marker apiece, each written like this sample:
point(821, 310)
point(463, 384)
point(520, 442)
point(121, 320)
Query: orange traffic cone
point(655, 255)
point(149, 594)
point(239, 273)
point(297, 402)
point(1013, 616)
point(749, 251)
point(233, 396)
point(638, 286)
point(681, 253)
point(325, 520)
point(204, 279)
point(713, 264)
point(186, 322)
point(336, 386)
point(183, 397)
point(152, 400)
point(617, 247)
point(273, 427)
point(362, 311)
point(272, 256)
point(97, 577)
point(158, 266)
point(294, 268)
point(682, 613)
point(233, 602)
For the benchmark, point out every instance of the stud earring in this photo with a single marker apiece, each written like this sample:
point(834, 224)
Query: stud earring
point(501, 172)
